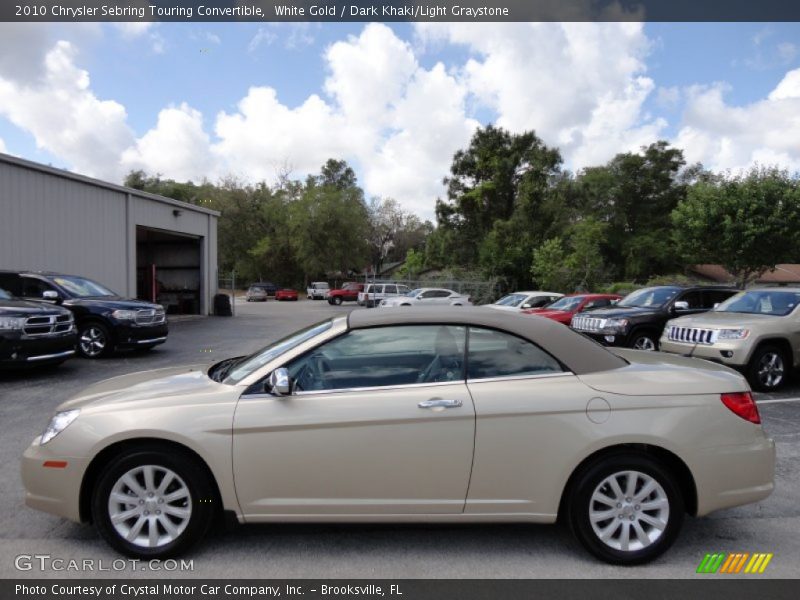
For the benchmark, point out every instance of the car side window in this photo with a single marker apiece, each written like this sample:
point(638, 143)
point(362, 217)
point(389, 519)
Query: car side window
point(390, 289)
point(598, 303)
point(498, 354)
point(713, 297)
point(383, 356)
point(694, 299)
point(34, 288)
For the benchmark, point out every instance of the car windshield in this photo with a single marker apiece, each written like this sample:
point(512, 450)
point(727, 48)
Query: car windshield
point(414, 293)
point(4, 295)
point(82, 287)
point(248, 364)
point(649, 297)
point(761, 302)
point(511, 300)
point(321, 286)
point(351, 287)
point(568, 304)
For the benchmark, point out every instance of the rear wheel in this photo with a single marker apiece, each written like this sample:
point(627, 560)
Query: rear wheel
point(152, 503)
point(337, 300)
point(625, 509)
point(768, 369)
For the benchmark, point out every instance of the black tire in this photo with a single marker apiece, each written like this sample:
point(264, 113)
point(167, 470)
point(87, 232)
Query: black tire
point(337, 300)
point(579, 503)
point(94, 339)
point(201, 492)
point(777, 372)
point(644, 340)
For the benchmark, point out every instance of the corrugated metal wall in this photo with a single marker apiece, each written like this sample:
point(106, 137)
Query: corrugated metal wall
point(55, 223)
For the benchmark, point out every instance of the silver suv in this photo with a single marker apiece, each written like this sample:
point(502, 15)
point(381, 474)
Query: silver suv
point(375, 292)
point(756, 331)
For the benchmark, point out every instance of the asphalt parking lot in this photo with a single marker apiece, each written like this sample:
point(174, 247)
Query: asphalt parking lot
point(364, 551)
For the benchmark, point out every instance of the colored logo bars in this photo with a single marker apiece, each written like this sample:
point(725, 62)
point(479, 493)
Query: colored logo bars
point(738, 562)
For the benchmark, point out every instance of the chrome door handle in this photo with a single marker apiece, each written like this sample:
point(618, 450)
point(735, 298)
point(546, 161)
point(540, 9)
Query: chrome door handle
point(440, 403)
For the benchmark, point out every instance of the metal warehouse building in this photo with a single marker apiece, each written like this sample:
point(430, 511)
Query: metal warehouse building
point(138, 244)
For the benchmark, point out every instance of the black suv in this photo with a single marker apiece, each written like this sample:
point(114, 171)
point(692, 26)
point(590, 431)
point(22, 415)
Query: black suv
point(638, 319)
point(105, 321)
point(34, 333)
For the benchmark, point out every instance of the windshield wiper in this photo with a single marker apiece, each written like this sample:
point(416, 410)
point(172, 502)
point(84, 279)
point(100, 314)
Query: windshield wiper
point(220, 370)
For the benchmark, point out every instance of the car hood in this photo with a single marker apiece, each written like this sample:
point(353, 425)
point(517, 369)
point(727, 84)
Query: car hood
point(25, 307)
point(622, 312)
point(660, 374)
point(552, 314)
point(112, 303)
point(724, 320)
point(177, 385)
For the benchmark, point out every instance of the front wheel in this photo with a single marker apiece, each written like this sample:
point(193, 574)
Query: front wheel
point(94, 340)
point(644, 341)
point(625, 509)
point(337, 300)
point(153, 504)
point(767, 370)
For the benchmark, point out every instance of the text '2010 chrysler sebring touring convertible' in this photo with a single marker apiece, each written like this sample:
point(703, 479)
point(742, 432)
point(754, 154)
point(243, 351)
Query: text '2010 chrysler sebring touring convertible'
point(424, 415)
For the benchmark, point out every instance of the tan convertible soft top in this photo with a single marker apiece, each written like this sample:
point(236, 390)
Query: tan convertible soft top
point(580, 354)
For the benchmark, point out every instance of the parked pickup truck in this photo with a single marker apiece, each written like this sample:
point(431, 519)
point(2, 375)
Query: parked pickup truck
point(317, 290)
point(34, 333)
point(756, 331)
point(347, 293)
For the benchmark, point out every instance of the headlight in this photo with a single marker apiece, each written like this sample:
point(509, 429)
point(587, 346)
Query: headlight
point(615, 325)
point(124, 315)
point(59, 423)
point(733, 334)
point(11, 323)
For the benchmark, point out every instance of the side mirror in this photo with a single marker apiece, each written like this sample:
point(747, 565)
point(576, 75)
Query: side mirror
point(50, 295)
point(681, 305)
point(716, 304)
point(280, 383)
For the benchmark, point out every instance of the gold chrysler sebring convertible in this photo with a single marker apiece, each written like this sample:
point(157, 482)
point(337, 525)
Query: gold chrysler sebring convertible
point(428, 415)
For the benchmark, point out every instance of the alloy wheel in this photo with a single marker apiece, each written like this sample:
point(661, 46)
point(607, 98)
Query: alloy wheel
point(771, 370)
point(644, 343)
point(93, 341)
point(629, 511)
point(150, 506)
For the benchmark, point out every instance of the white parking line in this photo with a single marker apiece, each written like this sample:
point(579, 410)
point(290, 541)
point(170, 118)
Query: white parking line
point(777, 400)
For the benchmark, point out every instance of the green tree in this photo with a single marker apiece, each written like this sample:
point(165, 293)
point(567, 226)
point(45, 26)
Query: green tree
point(748, 224)
point(585, 263)
point(413, 265)
point(549, 268)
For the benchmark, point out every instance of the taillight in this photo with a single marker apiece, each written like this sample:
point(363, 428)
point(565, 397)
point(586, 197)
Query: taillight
point(743, 405)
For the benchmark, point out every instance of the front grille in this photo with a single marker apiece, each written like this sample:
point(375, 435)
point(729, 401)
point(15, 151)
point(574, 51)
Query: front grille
point(48, 325)
point(150, 316)
point(588, 323)
point(691, 335)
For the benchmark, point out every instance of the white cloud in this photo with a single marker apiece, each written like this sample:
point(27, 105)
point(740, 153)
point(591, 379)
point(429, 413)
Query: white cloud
point(65, 117)
point(580, 86)
point(177, 146)
point(723, 136)
point(137, 29)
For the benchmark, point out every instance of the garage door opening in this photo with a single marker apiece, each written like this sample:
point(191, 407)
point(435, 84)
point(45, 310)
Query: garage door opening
point(168, 270)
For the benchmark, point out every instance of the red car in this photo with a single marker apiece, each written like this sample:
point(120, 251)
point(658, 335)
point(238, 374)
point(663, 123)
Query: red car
point(347, 293)
point(286, 294)
point(562, 309)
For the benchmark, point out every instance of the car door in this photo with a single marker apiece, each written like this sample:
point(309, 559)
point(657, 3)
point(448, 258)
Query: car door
point(34, 288)
point(381, 422)
point(530, 413)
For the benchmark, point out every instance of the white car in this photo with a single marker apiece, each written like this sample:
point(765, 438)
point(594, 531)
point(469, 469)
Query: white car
point(318, 290)
point(524, 300)
point(427, 297)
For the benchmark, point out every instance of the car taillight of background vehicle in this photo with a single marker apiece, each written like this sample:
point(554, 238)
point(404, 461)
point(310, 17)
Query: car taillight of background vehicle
point(743, 405)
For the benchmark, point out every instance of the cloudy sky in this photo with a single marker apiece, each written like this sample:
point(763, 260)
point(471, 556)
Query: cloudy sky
point(396, 101)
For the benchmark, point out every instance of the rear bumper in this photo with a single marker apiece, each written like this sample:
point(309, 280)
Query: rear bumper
point(36, 351)
point(733, 475)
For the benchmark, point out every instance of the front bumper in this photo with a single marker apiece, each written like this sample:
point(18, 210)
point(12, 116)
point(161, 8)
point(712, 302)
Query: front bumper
point(733, 475)
point(50, 487)
point(607, 339)
point(36, 351)
point(130, 335)
point(731, 353)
